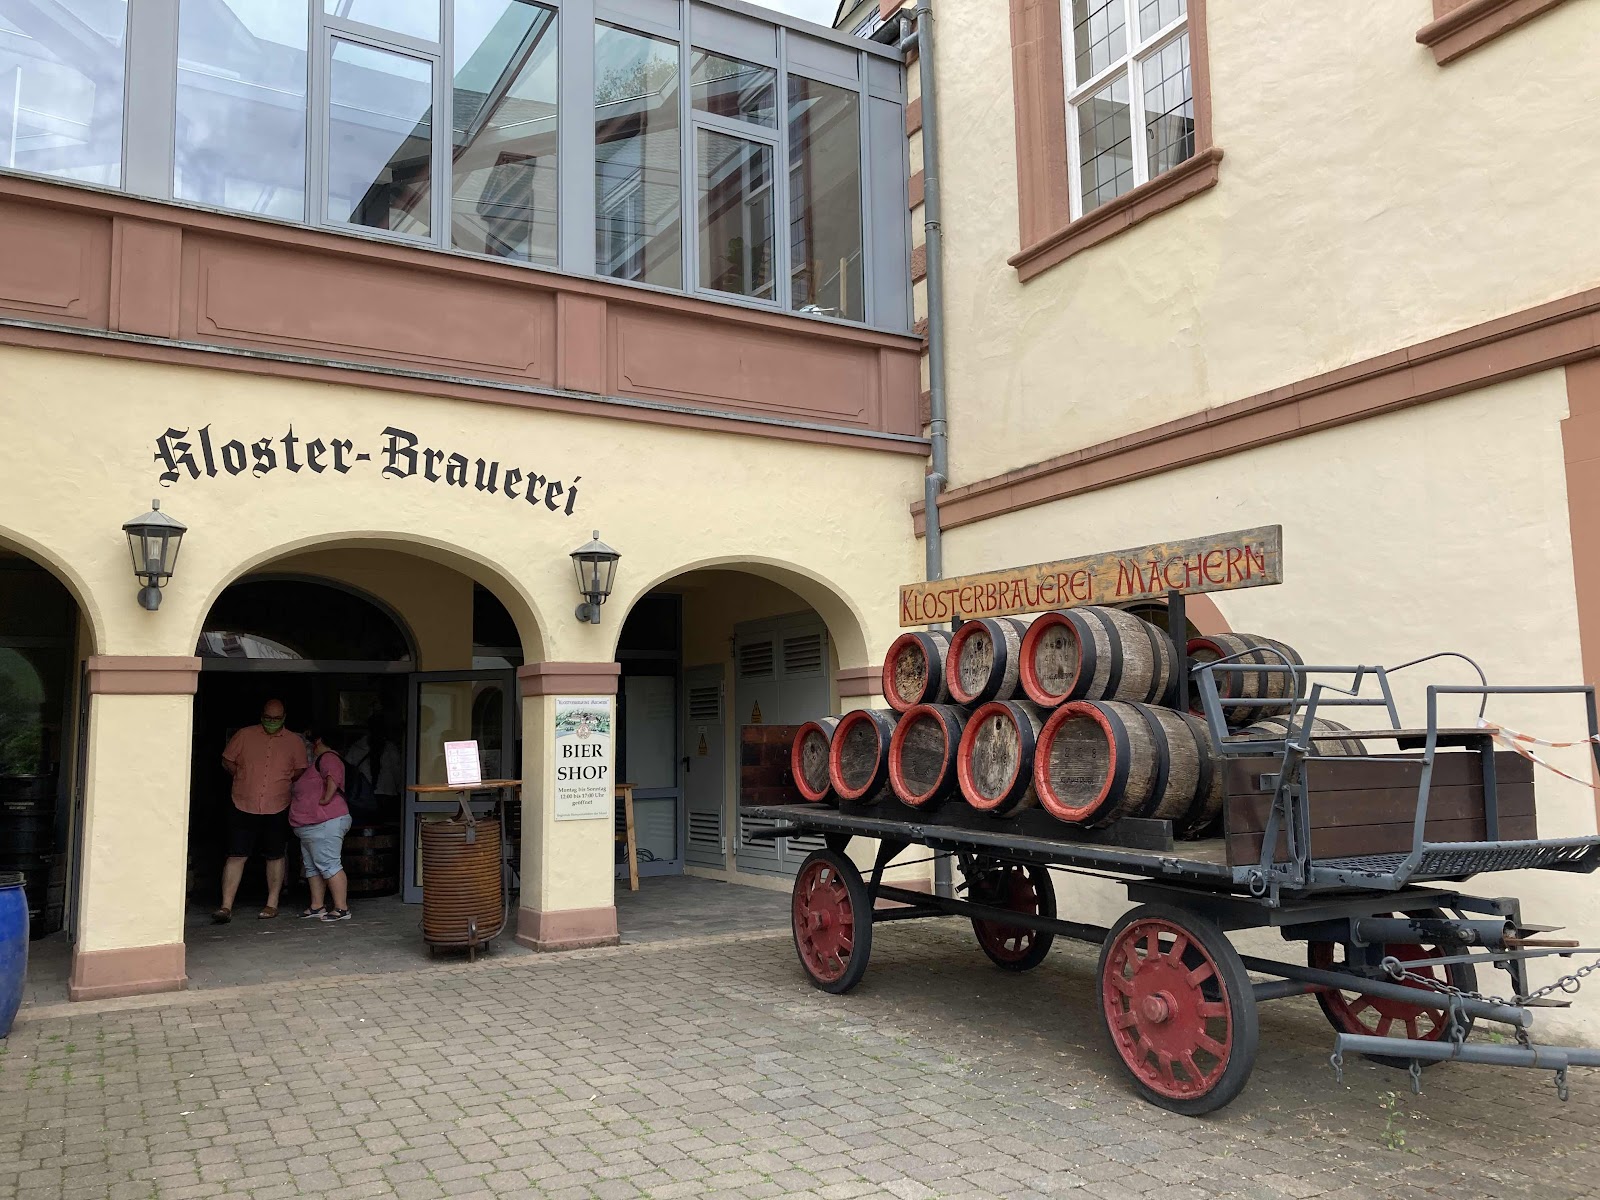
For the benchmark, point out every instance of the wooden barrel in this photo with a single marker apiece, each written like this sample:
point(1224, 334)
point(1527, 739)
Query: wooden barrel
point(1095, 653)
point(1101, 760)
point(1252, 650)
point(1274, 729)
point(858, 756)
point(913, 670)
point(985, 659)
point(808, 759)
point(994, 762)
point(922, 754)
point(371, 859)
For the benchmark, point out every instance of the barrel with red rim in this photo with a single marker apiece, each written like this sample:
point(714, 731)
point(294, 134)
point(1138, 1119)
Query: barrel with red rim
point(914, 669)
point(1252, 650)
point(985, 659)
point(1095, 653)
point(922, 754)
point(1099, 761)
point(808, 759)
point(858, 756)
point(994, 762)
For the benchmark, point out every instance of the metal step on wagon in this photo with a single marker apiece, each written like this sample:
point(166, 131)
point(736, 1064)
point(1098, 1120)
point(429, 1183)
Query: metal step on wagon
point(1349, 837)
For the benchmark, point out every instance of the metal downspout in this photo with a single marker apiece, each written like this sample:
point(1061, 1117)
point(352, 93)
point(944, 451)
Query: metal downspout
point(921, 35)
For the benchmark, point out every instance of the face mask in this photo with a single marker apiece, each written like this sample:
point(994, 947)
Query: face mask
point(272, 724)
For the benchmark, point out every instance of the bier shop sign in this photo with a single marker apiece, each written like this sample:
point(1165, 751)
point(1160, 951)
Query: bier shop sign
point(1219, 563)
point(583, 758)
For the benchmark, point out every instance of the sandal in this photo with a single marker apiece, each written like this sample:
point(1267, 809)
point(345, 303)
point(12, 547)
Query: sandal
point(312, 914)
point(222, 916)
point(267, 913)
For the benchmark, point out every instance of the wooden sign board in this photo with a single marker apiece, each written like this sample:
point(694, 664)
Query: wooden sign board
point(1219, 563)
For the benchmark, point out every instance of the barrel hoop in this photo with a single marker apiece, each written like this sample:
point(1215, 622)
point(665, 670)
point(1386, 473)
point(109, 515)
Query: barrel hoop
point(897, 777)
point(836, 749)
point(969, 784)
point(1158, 786)
point(796, 749)
point(1120, 754)
point(1114, 645)
point(1028, 670)
point(1088, 656)
point(952, 672)
point(1159, 654)
point(1202, 741)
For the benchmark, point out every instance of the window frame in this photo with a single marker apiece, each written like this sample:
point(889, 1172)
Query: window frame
point(873, 73)
point(1051, 224)
point(1130, 64)
point(774, 137)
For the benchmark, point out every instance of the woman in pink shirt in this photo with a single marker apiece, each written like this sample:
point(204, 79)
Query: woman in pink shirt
point(320, 819)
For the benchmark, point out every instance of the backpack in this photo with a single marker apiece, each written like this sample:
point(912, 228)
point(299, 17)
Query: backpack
point(358, 793)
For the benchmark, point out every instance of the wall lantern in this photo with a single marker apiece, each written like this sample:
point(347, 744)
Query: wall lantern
point(596, 564)
point(154, 539)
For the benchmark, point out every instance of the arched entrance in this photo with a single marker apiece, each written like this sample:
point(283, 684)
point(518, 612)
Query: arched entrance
point(42, 645)
point(710, 658)
point(388, 655)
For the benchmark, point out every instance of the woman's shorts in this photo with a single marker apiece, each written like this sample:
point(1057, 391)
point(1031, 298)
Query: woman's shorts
point(320, 845)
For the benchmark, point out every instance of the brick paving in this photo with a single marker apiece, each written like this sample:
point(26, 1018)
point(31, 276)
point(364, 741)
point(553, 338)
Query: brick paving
point(385, 935)
point(708, 1068)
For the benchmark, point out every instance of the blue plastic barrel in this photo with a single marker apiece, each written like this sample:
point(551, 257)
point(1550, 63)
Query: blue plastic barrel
point(13, 948)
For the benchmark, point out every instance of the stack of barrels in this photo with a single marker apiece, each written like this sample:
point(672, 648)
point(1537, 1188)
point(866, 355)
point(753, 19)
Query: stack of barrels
point(1073, 712)
point(28, 847)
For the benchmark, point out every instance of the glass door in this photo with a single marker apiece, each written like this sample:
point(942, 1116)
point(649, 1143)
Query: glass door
point(649, 721)
point(455, 706)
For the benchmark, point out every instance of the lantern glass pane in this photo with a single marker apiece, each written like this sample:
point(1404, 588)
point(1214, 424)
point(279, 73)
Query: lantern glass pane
point(169, 557)
point(136, 549)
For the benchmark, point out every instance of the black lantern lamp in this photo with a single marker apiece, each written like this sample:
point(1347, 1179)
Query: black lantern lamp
point(154, 539)
point(596, 564)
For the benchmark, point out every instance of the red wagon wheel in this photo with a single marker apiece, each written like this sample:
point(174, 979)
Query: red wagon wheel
point(1376, 1016)
point(1022, 889)
point(1179, 1008)
point(832, 921)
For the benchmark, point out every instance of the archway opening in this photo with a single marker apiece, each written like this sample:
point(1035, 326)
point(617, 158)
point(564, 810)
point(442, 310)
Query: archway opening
point(43, 641)
point(716, 664)
point(385, 656)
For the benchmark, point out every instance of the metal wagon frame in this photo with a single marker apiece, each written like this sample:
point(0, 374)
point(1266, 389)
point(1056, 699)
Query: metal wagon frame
point(1387, 947)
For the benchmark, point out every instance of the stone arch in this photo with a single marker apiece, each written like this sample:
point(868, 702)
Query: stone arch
point(846, 628)
point(530, 627)
point(82, 596)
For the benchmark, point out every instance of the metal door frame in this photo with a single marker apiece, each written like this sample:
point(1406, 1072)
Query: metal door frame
point(410, 805)
point(676, 865)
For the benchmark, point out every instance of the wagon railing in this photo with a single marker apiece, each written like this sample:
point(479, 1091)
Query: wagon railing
point(1315, 690)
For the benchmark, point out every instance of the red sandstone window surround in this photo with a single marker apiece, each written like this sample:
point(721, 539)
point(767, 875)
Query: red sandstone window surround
point(1113, 117)
point(1462, 25)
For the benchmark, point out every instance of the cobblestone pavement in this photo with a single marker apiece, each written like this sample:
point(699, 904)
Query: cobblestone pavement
point(386, 935)
point(710, 1068)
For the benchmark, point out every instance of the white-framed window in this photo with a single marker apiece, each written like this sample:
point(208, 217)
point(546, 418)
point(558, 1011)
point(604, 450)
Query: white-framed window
point(1130, 97)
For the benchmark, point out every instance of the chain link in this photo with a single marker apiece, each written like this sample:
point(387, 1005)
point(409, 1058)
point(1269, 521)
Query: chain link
point(1567, 983)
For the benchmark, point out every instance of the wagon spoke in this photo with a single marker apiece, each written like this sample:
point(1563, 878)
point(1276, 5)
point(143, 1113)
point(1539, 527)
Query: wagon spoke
point(1202, 973)
point(1179, 945)
point(1211, 1046)
point(1385, 1024)
point(1128, 1020)
point(1213, 1008)
point(1411, 1029)
point(1120, 982)
point(1192, 1068)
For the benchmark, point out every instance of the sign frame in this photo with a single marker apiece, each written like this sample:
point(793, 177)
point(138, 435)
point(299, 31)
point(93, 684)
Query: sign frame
point(1221, 562)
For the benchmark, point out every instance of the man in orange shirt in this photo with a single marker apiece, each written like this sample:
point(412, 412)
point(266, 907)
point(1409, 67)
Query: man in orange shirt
point(263, 760)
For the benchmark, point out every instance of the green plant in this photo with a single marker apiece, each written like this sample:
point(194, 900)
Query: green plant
point(1391, 1137)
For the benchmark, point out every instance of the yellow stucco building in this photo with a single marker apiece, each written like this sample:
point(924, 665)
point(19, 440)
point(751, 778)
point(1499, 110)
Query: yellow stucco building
point(1195, 267)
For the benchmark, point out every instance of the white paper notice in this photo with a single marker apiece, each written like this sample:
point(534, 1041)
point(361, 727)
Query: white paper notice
point(583, 758)
point(461, 764)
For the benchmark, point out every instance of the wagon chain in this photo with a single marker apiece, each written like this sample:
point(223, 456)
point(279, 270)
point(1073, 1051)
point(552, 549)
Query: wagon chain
point(1567, 983)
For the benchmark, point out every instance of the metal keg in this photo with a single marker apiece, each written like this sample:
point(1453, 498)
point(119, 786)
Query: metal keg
point(463, 900)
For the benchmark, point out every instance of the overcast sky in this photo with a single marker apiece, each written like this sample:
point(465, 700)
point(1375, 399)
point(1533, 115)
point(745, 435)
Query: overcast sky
point(820, 11)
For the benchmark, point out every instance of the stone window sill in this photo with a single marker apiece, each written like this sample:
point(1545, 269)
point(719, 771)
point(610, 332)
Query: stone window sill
point(1466, 27)
point(1165, 191)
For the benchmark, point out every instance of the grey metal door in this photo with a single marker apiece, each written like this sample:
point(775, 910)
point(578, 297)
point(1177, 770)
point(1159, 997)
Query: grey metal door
point(650, 754)
point(782, 679)
point(704, 755)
